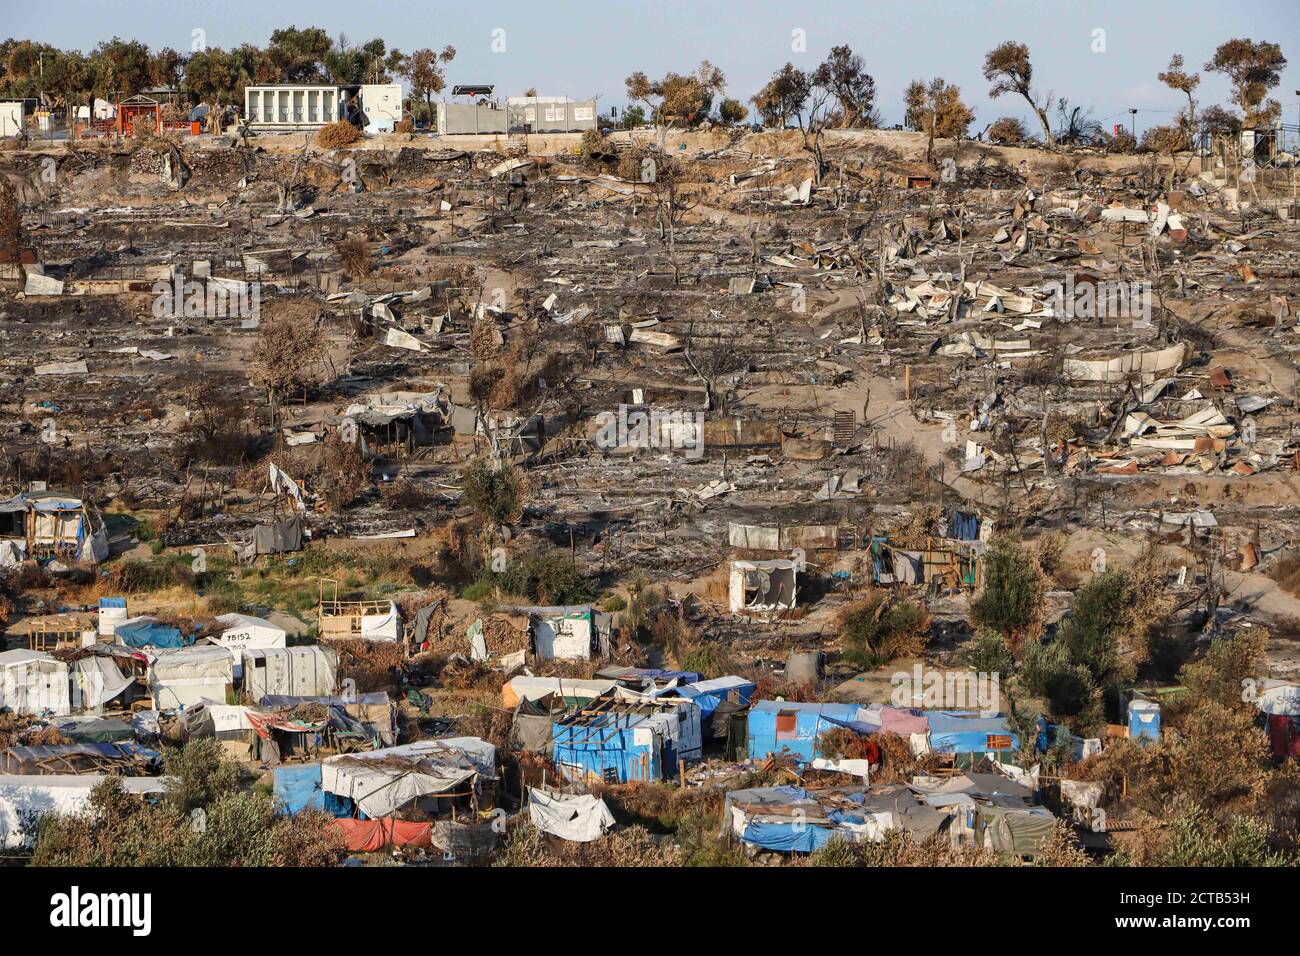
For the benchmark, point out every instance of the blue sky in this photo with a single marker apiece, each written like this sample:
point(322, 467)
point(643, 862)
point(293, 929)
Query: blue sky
point(585, 48)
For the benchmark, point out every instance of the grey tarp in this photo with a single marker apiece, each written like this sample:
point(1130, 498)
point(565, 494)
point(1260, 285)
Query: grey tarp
point(274, 538)
point(532, 727)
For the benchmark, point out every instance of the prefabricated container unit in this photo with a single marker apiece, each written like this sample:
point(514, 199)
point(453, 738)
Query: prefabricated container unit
point(550, 114)
point(480, 118)
point(291, 107)
point(382, 104)
point(310, 671)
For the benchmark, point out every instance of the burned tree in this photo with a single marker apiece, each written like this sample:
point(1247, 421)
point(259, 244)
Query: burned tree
point(290, 353)
point(1007, 66)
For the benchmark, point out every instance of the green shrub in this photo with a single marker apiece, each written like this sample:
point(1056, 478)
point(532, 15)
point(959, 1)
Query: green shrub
point(879, 629)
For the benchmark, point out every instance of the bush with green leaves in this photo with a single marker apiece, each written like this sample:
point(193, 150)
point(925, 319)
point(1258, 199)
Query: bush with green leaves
point(495, 491)
point(203, 820)
point(987, 653)
point(1194, 838)
point(1012, 600)
point(881, 628)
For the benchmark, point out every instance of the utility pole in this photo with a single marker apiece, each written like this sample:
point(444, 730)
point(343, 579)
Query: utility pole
point(1133, 121)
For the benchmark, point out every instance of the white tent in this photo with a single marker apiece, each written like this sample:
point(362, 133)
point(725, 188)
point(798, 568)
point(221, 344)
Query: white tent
point(240, 631)
point(185, 676)
point(34, 683)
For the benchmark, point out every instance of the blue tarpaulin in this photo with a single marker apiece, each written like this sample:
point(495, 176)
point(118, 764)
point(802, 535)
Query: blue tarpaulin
point(151, 634)
point(298, 788)
point(967, 732)
point(776, 725)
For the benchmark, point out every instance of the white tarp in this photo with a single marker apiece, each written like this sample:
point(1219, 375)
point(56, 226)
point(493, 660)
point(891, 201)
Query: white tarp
point(382, 627)
point(437, 766)
point(23, 798)
point(240, 631)
point(562, 635)
point(579, 819)
point(98, 680)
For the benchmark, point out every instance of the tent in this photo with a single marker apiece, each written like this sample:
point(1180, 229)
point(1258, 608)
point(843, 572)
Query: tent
point(183, 677)
point(32, 682)
point(308, 671)
point(239, 631)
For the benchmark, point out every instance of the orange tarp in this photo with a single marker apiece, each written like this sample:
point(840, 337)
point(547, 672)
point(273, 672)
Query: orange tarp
point(369, 836)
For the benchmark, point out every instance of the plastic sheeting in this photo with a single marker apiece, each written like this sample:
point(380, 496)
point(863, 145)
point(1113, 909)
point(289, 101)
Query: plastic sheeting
point(34, 683)
point(98, 680)
point(371, 836)
point(147, 632)
point(309, 671)
point(579, 819)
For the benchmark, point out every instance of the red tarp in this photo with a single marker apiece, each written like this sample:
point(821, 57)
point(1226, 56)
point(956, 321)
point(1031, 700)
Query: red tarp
point(369, 836)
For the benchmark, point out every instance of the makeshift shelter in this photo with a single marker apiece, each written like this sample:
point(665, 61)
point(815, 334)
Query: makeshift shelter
point(183, 677)
point(24, 798)
point(384, 781)
point(789, 818)
point(763, 587)
point(98, 680)
point(349, 620)
point(372, 716)
point(43, 525)
point(309, 671)
point(298, 788)
point(969, 735)
point(624, 737)
point(778, 726)
point(571, 633)
point(32, 682)
point(573, 692)
point(278, 537)
point(124, 759)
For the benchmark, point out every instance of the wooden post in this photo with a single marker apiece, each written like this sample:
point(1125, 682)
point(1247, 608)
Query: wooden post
point(907, 382)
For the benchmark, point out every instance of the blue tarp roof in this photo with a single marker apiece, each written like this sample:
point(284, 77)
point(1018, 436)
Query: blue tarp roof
point(967, 732)
point(151, 634)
